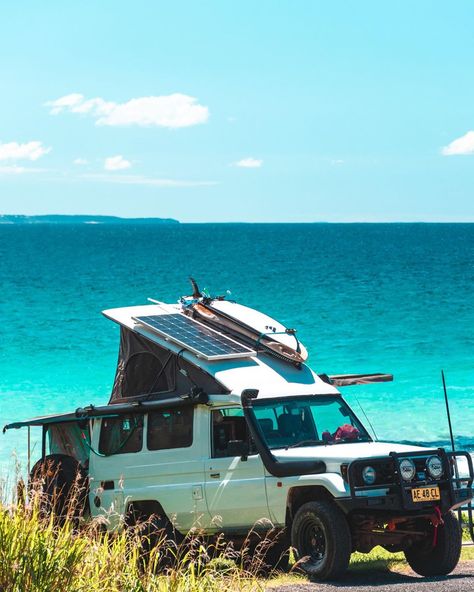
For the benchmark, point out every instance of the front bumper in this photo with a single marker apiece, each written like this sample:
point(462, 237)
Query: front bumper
point(395, 495)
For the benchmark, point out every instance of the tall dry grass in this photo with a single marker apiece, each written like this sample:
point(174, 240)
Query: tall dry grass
point(39, 554)
point(46, 547)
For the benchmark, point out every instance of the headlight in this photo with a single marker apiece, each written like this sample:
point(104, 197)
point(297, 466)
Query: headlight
point(369, 475)
point(407, 469)
point(434, 466)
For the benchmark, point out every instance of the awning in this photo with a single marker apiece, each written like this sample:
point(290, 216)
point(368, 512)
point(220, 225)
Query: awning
point(83, 413)
point(351, 379)
point(41, 421)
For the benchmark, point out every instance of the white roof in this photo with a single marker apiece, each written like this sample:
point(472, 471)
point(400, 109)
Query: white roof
point(271, 376)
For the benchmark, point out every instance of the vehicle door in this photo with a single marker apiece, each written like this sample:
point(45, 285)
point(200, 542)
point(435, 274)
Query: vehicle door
point(170, 469)
point(116, 444)
point(235, 484)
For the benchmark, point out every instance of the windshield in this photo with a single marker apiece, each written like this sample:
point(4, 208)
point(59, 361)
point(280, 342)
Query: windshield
point(306, 421)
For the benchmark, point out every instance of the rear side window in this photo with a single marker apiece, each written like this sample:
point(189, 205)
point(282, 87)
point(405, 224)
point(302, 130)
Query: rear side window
point(119, 435)
point(172, 428)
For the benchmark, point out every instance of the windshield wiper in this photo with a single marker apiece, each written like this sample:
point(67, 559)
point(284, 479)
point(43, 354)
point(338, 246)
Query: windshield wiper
point(303, 443)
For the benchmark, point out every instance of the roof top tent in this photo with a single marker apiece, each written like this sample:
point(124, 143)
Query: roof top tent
point(163, 353)
point(149, 371)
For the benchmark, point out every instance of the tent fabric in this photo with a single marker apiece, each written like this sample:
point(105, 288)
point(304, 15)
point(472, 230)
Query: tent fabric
point(67, 439)
point(148, 371)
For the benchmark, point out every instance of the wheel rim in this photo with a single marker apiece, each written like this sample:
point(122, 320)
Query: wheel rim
point(313, 540)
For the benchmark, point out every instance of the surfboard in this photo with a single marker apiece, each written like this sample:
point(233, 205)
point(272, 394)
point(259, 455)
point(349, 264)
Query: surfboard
point(255, 327)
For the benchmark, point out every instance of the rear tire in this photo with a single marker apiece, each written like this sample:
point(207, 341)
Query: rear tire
point(428, 560)
point(156, 531)
point(321, 538)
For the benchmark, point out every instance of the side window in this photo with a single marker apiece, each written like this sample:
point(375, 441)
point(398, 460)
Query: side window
point(171, 428)
point(119, 435)
point(228, 426)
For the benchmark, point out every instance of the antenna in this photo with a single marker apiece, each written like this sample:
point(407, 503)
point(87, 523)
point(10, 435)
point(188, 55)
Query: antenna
point(447, 410)
point(366, 417)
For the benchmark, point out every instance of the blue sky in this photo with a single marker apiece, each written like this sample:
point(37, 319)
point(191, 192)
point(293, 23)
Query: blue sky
point(238, 111)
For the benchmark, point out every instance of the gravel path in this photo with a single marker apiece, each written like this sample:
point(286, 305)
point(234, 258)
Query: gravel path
point(461, 580)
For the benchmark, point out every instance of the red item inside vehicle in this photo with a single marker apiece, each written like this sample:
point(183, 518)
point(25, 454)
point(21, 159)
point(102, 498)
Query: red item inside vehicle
point(346, 432)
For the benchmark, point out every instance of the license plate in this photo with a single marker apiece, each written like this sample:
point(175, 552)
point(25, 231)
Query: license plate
point(425, 494)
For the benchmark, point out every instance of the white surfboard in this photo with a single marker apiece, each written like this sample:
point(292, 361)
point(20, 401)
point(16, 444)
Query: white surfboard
point(254, 325)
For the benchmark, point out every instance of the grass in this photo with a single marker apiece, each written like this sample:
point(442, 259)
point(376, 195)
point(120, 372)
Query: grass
point(38, 555)
point(41, 554)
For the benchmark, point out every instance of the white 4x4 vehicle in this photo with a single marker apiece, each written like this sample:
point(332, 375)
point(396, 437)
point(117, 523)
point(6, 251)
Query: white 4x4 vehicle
point(205, 434)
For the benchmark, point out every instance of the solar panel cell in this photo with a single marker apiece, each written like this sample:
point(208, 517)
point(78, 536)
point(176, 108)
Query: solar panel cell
point(196, 337)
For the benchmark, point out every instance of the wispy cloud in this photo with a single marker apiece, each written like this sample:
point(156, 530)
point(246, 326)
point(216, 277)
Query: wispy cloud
point(19, 170)
point(27, 151)
point(462, 145)
point(80, 161)
point(143, 180)
point(337, 162)
point(170, 111)
point(116, 163)
point(249, 163)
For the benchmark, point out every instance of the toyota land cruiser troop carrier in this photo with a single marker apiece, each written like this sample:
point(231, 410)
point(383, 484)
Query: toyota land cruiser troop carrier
point(215, 422)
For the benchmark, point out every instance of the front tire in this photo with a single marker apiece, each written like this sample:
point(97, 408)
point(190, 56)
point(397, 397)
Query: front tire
point(321, 538)
point(442, 558)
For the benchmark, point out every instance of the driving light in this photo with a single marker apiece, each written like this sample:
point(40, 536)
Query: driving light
point(407, 469)
point(434, 466)
point(369, 475)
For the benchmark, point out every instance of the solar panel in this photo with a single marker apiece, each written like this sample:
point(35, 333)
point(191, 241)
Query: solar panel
point(195, 337)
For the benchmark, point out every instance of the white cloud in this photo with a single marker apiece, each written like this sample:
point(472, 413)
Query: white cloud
point(249, 163)
point(116, 163)
point(27, 151)
point(171, 111)
point(66, 102)
point(337, 162)
point(151, 181)
point(462, 145)
point(80, 161)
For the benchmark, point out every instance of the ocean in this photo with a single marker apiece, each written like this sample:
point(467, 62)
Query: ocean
point(396, 298)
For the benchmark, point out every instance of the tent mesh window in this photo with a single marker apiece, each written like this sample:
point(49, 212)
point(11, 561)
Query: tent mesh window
point(143, 375)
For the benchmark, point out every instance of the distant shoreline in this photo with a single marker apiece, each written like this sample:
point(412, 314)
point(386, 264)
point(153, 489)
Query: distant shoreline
point(69, 219)
point(8, 219)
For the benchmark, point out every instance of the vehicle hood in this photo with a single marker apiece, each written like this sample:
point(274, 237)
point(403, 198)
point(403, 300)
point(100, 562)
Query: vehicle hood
point(343, 453)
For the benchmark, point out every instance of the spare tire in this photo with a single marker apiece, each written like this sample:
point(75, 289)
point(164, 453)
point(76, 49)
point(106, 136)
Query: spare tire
point(60, 482)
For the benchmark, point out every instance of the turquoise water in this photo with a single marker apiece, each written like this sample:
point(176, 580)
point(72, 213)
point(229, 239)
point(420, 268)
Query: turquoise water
point(394, 298)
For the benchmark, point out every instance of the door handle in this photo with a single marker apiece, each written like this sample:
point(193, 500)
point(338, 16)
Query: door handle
point(215, 475)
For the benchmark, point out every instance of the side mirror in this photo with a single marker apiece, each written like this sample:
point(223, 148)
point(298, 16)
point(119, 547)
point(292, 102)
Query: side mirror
point(238, 448)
